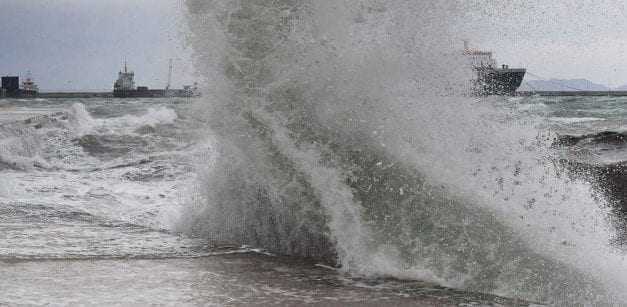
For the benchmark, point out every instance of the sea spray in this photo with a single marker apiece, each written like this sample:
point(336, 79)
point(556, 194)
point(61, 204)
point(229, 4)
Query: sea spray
point(342, 135)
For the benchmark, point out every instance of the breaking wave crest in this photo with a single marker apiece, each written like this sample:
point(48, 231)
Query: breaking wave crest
point(341, 134)
point(85, 124)
point(57, 139)
point(39, 141)
point(152, 118)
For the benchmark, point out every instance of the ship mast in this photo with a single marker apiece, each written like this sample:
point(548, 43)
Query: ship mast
point(167, 87)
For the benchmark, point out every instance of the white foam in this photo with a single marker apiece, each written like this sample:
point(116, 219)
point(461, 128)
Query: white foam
point(152, 117)
point(82, 122)
point(372, 74)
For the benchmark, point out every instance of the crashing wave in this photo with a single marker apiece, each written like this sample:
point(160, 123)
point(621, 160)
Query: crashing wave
point(341, 134)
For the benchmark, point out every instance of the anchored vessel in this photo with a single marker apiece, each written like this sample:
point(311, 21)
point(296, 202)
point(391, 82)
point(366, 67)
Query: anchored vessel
point(492, 80)
point(124, 87)
point(11, 87)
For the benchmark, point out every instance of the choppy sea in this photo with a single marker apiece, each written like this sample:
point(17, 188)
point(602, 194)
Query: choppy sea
point(91, 191)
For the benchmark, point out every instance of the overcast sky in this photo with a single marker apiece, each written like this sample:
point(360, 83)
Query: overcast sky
point(81, 44)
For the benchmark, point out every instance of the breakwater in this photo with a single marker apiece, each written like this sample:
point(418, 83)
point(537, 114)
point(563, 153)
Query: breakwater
point(129, 94)
point(76, 95)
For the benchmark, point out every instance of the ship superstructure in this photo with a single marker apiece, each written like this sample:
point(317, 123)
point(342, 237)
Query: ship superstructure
point(491, 79)
point(29, 88)
point(125, 81)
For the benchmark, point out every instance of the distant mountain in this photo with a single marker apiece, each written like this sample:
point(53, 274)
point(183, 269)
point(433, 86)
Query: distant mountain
point(621, 88)
point(562, 85)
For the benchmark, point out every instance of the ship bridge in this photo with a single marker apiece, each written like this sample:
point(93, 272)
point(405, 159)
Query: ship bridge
point(125, 81)
point(479, 58)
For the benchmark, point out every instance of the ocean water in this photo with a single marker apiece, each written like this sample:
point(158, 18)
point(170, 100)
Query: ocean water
point(584, 116)
point(577, 115)
point(333, 160)
point(343, 133)
point(95, 193)
point(92, 195)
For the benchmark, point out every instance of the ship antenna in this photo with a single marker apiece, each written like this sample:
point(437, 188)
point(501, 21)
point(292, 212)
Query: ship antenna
point(125, 70)
point(167, 87)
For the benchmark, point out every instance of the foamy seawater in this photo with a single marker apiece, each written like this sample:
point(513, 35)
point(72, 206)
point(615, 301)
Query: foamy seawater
point(342, 132)
point(90, 193)
point(82, 181)
point(335, 158)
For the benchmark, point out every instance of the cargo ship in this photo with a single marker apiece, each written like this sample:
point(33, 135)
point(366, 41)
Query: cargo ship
point(124, 87)
point(11, 87)
point(491, 79)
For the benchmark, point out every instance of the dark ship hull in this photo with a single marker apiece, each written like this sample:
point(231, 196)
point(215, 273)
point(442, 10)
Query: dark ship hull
point(28, 93)
point(19, 94)
point(498, 81)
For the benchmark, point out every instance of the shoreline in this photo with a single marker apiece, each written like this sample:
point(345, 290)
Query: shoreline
point(234, 279)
